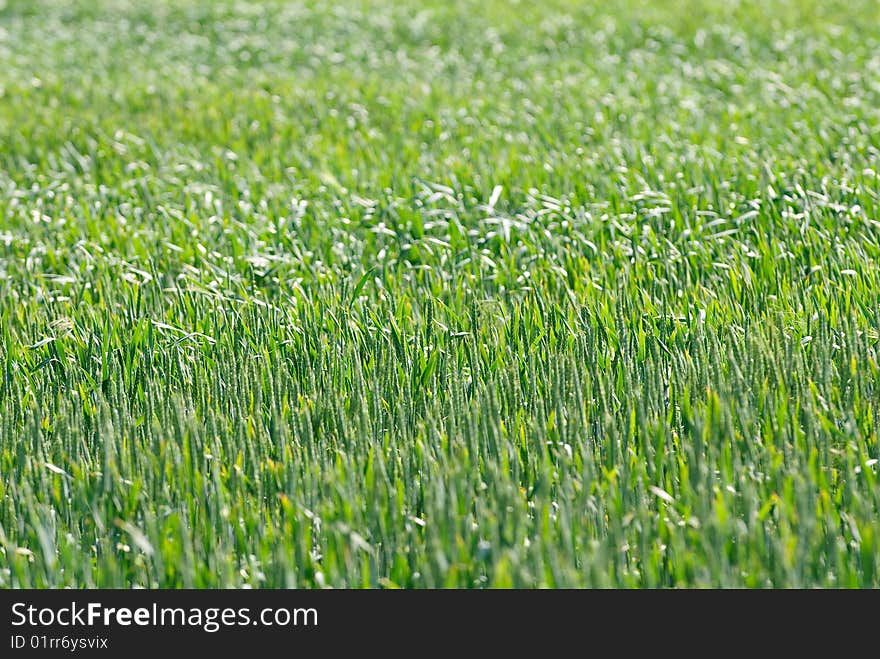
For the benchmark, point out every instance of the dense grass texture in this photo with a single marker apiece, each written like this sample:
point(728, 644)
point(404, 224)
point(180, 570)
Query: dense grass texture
point(439, 294)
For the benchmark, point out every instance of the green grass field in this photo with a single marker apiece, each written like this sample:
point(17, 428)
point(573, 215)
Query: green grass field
point(439, 294)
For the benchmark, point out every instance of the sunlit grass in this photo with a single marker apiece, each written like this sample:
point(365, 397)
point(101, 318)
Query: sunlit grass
point(471, 294)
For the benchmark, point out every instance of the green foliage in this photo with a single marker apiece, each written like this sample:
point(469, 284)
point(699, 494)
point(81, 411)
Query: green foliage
point(429, 294)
